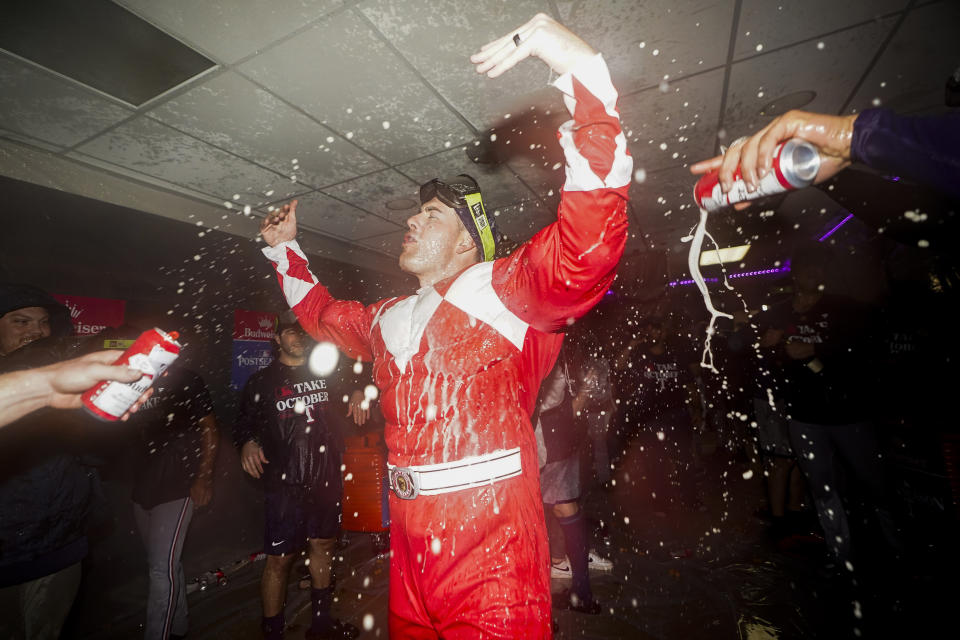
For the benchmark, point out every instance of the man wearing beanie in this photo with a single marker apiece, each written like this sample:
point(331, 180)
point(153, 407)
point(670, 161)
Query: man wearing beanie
point(46, 490)
point(288, 437)
point(459, 362)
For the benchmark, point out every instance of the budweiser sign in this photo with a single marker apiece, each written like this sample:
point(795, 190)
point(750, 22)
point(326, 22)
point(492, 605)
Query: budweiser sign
point(253, 325)
point(90, 316)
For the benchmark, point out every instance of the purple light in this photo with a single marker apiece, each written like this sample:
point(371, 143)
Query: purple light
point(681, 282)
point(840, 224)
point(743, 274)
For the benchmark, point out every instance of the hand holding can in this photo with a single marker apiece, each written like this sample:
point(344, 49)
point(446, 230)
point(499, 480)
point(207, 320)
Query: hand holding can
point(151, 353)
point(794, 165)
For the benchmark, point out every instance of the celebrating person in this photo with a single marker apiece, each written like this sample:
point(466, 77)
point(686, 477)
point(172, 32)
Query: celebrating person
point(459, 362)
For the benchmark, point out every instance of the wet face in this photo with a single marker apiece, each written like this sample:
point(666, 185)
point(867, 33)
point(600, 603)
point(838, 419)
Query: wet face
point(23, 326)
point(436, 236)
point(293, 342)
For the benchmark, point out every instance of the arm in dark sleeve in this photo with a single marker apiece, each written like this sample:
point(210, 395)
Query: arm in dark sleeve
point(922, 149)
point(248, 425)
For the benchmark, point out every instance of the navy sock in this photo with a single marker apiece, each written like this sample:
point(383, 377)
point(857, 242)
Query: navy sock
point(272, 627)
point(575, 539)
point(322, 599)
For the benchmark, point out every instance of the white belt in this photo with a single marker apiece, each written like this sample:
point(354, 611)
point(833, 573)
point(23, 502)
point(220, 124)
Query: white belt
point(432, 479)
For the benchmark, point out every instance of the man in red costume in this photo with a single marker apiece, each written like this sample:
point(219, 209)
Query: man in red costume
point(459, 362)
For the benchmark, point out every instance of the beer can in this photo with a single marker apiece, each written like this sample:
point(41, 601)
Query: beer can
point(151, 353)
point(795, 165)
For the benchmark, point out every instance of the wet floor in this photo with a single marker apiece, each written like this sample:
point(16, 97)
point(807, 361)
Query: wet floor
point(710, 571)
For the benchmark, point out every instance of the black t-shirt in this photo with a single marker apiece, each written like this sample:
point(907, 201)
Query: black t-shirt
point(171, 437)
point(832, 387)
point(659, 382)
point(296, 417)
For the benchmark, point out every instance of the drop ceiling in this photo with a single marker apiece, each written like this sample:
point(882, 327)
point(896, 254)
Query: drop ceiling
point(349, 105)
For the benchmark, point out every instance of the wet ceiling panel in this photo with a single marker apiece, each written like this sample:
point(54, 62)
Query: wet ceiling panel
point(910, 74)
point(40, 105)
point(231, 29)
point(100, 45)
point(342, 74)
point(233, 113)
point(360, 100)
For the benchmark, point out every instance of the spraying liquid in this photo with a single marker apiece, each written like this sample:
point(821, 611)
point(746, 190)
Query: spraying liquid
point(693, 263)
point(795, 165)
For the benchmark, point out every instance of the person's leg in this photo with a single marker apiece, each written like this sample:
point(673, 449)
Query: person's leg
point(321, 558)
point(598, 425)
point(407, 616)
point(322, 512)
point(273, 593)
point(575, 535)
point(46, 601)
point(860, 450)
point(816, 455)
point(283, 538)
point(164, 529)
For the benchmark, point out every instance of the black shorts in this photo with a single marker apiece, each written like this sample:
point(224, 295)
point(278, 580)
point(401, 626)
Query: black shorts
point(296, 513)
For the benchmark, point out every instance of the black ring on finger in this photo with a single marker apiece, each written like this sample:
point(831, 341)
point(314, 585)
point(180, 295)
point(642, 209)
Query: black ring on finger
point(516, 39)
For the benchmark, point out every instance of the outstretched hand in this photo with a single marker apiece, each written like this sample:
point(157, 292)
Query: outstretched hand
point(832, 135)
point(69, 379)
point(280, 225)
point(542, 37)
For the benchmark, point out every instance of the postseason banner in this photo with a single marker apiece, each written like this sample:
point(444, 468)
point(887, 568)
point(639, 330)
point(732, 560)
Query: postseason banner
point(90, 316)
point(252, 344)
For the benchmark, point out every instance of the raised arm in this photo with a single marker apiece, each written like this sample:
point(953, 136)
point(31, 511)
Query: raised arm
point(567, 267)
point(344, 323)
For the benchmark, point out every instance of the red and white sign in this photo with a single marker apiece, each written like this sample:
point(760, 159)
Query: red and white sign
point(90, 316)
point(253, 325)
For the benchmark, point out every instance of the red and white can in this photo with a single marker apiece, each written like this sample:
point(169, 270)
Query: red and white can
point(795, 165)
point(151, 353)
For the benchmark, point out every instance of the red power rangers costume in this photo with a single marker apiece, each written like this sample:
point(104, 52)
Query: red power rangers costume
point(459, 365)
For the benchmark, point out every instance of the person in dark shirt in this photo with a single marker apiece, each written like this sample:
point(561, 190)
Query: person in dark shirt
point(825, 346)
point(48, 488)
point(287, 431)
point(174, 476)
point(663, 399)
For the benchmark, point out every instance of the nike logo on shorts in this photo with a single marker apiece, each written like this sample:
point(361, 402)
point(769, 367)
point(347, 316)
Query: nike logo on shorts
point(277, 544)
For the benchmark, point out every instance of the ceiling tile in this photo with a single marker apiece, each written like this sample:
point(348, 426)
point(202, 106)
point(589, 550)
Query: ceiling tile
point(830, 71)
point(671, 127)
point(374, 191)
point(230, 29)
point(152, 148)
point(139, 176)
point(645, 41)
point(39, 105)
point(332, 217)
point(438, 37)
point(356, 85)
point(771, 24)
point(664, 201)
point(527, 142)
point(388, 243)
point(233, 113)
point(912, 71)
point(519, 222)
point(499, 186)
point(19, 137)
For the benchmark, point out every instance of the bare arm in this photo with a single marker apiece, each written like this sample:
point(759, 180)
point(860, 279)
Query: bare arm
point(60, 385)
point(832, 135)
